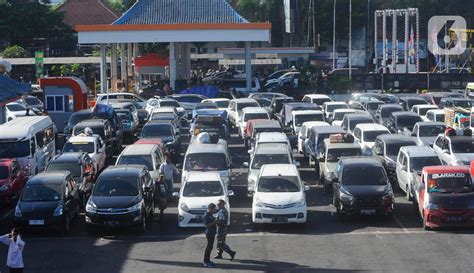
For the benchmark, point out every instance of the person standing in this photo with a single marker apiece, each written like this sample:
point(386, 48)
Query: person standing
point(15, 250)
point(210, 224)
point(162, 194)
point(222, 229)
point(168, 169)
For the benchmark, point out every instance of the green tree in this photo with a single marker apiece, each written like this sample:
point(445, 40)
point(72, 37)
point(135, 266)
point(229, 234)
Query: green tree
point(15, 51)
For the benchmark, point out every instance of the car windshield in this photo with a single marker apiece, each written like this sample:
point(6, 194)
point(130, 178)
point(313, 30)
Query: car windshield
point(222, 103)
point(431, 130)
point(76, 118)
point(188, 99)
point(321, 101)
point(16, 107)
point(41, 193)
point(462, 146)
point(333, 155)
point(161, 116)
point(262, 159)
point(370, 136)
point(417, 163)
point(15, 149)
point(154, 131)
point(206, 162)
point(412, 102)
point(300, 119)
point(203, 189)
point(386, 111)
point(449, 183)
point(116, 186)
point(353, 123)
point(364, 175)
point(73, 168)
point(264, 102)
point(32, 101)
point(279, 184)
point(330, 108)
point(392, 149)
point(171, 103)
point(373, 105)
point(250, 116)
point(136, 160)
point(4, 172)
point(340, 115)
point(462, 103)
point(87, 147)
point(422, 111)
point(407, 121)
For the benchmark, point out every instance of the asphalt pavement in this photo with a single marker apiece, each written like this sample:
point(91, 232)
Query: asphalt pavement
point(327, 243)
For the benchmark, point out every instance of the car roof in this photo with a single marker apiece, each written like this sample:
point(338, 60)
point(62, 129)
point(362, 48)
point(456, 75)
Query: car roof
point(216, 99)
point(425, 106)
point(345, 110)
point(396, 138)
point(371, 127)
point(55, 178)
point(334, 103)
point(340, 145)
point(254, 110)
point(265, 123)
point(418, 151)
point(361, 160)
point(139, 149)
point(244, 100)
point(446, 169)
point(429, 123)
point(91, 122)
point(315, 123)
point(405, 113)
point(317, 96)
point(272, 148)
point(437, 111)
point(74, 139)
point(122, 170)
point(196, 147)
point(272, 136)
point(359, 116)
point(390, 105)
point(202, 176)
point(69, 157)
point(279, 170)
point(20, 127)
point(328, 129)
point(306, 112)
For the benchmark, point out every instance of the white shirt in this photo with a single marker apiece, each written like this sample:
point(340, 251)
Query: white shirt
point(15, 249)
point(168, 169)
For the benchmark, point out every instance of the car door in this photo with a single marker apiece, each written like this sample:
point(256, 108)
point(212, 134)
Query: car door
point(301, 138)
point(101, 155)
point(438, 147)
point(147, 190)
point(402, 171)
point(357, 136)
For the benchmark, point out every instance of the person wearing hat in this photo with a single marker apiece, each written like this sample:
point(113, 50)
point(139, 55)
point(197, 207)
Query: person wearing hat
point(210, 224)
point(222, 230)
point(162, 193)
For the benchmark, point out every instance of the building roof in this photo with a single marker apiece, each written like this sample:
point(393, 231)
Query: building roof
point(11, 89)
point(166, 12)
point(87, 12)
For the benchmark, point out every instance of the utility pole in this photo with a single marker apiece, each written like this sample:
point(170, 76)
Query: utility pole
point(367, 35)
point(313, 13)
point(350, 39)
point(334, 37)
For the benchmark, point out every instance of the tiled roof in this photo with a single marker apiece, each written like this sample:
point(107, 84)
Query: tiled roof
point(87, 12)
point(158, 12)
point(12, 89)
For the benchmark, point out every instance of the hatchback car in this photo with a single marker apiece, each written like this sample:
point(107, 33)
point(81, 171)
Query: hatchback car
point(48, 200)
point(123, 197)
point(12, 180)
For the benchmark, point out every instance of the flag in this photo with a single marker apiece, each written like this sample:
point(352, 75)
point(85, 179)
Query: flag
point(411, 48)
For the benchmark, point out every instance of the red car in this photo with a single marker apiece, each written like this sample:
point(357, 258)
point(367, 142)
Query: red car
point(12, 180)
point(444, 196)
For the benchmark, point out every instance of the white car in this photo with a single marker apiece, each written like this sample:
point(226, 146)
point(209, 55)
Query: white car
point(454, 150)
point(304, 134)
point(302, 116)
point(222, 103)
point(249, 113)
point(270, 137)
point(329, 107)
point(279, 196)
point(422, 109)
point(15, 109)
point(102, 98)
point(197, 192)
point(93, 145)
point(153, 103)
point(235, 108)
point(435, 115)
point(365, 135)
point(318, 99)
point(338, 115)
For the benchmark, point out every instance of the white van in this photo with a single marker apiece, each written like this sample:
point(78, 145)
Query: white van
point(31, 140)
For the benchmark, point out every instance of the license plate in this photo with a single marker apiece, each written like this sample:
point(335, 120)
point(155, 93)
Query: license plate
point(36, 222)
point(279, 219)
point(112, 223)
point(198, 218)
point(455, 219)
point(367, 211)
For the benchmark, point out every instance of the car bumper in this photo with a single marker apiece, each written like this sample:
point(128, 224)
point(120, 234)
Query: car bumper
point(38, 222)
point(356, 208)
point(279, 216)
point(190, 219)
point(114, 220)
point(451, 218)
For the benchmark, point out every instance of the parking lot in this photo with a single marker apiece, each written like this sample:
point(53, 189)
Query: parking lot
point(326, 243)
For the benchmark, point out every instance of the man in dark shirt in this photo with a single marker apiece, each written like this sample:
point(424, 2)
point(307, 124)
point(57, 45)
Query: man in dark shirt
point(211, 229)
point(222, 230)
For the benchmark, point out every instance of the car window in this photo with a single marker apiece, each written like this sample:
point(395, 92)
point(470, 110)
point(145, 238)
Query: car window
point(279, 184)
point(357, 133)
point(439, 142)
point(203, 189)
point(401, 157)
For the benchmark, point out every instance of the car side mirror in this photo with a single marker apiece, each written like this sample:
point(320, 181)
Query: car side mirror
point(176, 194)
point(230, 193)
point(306, 188)
point(245, 164)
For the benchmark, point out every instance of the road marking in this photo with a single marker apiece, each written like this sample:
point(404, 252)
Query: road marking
point(400, 224)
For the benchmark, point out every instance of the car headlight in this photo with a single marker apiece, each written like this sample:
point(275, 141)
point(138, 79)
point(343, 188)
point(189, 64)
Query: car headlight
point(18, 211)
point(4, 187)
point(259, 203)
point(91, 207)
point(301, 203)
point(135, 207)
point(58, 211)
point(184, 207)
point(346, 196)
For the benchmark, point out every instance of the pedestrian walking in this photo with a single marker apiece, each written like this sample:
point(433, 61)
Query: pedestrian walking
point(168, 169)
point(211, 229)
point(162, 194)
point(15, 250)
point(222, 230)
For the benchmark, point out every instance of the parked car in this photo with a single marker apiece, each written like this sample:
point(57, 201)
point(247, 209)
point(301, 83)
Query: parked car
point(32, 102)
point(48, 200)
point(408, 102)
point(339, 114)
point(365, 135)
point(235, 109)
point(94, 146)
point(316, 140)
point(166, 133)
point(304, 134)
point(426, 132)
point(279, 196)
point(402, 122)
point(256, 126)
point(422, 109)
point(455, 102)
point(99, 127)
point(384, 111)
point(454, 150)
point(129, 125)
point(372, 106)
point(362, 187)
point(318, 99)
point(270, 137)
point(188, 102)
point(302, 116)
point(250, 113)
point(222, 103)
point(329, 107)
point(148, 155)
point(196, 193)
point(350, 121)
point(74, 119)
point(103, 98)
point(122, 197)
point(81, 168)
point(435, 115)
point(15, 109)
point(12, 181)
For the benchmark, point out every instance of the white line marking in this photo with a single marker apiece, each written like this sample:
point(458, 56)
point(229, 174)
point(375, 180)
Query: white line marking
point(400, 224)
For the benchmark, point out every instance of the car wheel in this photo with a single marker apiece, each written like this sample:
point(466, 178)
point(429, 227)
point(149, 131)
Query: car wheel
point(408, 193)
point(425, 226)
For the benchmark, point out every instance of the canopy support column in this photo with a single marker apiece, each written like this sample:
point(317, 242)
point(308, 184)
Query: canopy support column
point(113, 67)
point(135, 72)
point(248, 66)
point(129, 59)
point(123, 66)
point(103, 70)
point(172, 67)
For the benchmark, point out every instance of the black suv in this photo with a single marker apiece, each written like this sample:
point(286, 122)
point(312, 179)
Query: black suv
point(362, 187)
point(402, 122)
point(165, 131)
point(408, 102)
point(384, 111)
point(123, 197)
point(99, 127)
point(386, 148)
point(80, 166)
